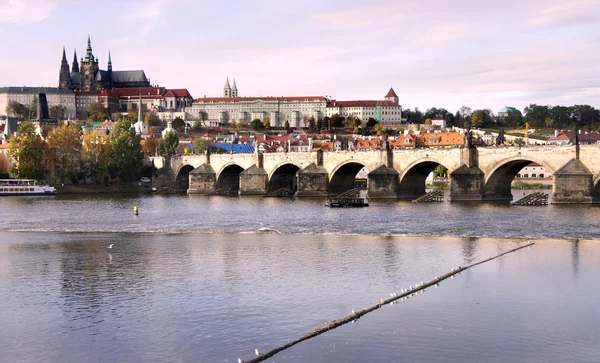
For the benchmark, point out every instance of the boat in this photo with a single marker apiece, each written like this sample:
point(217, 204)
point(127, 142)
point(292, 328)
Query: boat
point(337, 202)
point(10, 187)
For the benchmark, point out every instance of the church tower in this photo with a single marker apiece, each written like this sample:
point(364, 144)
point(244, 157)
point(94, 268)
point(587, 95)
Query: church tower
point(227, 89)
point(89, 69)
point(75, 66)
point(392, 96)
point(64, 79)
point(234, 91)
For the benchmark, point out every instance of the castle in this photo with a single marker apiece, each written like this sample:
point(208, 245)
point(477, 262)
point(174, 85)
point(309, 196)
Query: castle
point(89, 77)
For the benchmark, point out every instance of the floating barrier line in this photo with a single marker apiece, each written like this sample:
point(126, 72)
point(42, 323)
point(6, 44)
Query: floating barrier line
point(348, 319)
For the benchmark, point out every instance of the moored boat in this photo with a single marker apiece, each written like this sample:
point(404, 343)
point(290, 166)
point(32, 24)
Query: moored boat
point(10, 187)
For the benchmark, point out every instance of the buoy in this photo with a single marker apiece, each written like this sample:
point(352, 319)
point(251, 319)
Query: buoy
point(136, 209)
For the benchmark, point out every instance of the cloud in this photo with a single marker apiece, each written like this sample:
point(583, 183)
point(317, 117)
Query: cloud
point(141, 19)
point(26, 11)
point(568, 12)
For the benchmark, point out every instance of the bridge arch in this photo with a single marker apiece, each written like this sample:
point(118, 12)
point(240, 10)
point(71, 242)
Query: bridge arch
point(228, 178)
point(499, 179)
point(343, 176)
point(596, 189)
point(182, 178)
point(413, 177)
point(283, 176)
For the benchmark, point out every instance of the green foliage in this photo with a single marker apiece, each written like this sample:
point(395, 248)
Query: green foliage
point(311, 122)
point(200, 145)
point(168, 144)
point(257, 124)
point(428, 121)
point(26, 150)
point(152, 119)
point(197, 125)
point(95, 153)
point(371, 122)
point(441, 171)
point(286, 125)
point(126, 152)
point(64, 153)
point(97, 112)
point(202, 116)
point(524, 185)
point(57, 111)
point(319, 123)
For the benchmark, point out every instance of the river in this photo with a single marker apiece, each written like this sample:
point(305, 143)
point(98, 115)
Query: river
point(190, 279)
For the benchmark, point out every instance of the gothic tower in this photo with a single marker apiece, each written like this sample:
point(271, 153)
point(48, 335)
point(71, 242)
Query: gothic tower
point(89, 69)
point(108, 82)
point(75, 66)
point(234, 91)
point(227, 89)
point(64, 79)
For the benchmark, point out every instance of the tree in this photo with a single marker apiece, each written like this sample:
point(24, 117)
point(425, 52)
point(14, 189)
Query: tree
point(33, 108)
point(311, 122)
point(379, 129)
point(126, 152)
point(286, 125)
point(441, 171)
point(428, 121)
point(57, 112)
point(17, 110)
point(256, 124)
point(477, 118)
point(168, 144)
point(97, 112)
point(320, 123)
point(355, 122)
point(327, 122)
point(132, 116)
point(64, 153)
point(536, 115)
point(150, 147)
point(200, 145)
point(152, 119)
point(465, 112)
point(371, 122)
point(337, 120)
point(305, 120)
point(95, 153)
point(585, 114)
point(202, 116)
point(26, 150)
point(266, 123)
point(197, 125)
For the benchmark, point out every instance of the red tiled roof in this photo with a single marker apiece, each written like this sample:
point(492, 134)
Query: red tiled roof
point(250, 99)
point(181, 92)
point(361, 103)
point(391, 93)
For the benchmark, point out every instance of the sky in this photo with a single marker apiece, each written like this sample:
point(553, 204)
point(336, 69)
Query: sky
point(435, 53)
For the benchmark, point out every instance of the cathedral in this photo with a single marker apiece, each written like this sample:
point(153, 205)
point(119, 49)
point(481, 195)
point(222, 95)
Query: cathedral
point(89, 77)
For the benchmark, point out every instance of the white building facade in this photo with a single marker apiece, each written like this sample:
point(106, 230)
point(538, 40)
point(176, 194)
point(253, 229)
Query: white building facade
point(388, 112)
point(25, 95)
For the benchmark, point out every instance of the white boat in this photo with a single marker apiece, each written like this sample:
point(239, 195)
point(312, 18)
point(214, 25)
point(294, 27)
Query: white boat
point(24, 187)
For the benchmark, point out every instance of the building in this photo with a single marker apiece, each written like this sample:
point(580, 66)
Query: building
point(88, 76)
point(27, 95)
point(488, 138)
point(568, 138)
point(534, 171)
point(508, 111)
point(166, 102)
point(388, 111)
point(231, 109)
point(83, 100)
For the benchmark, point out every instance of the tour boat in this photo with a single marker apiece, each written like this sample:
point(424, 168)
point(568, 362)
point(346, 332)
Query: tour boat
point(24, 187)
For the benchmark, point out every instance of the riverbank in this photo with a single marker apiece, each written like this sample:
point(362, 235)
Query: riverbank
point(117, 188)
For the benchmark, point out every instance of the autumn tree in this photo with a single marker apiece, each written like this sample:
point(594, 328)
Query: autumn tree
point(305, 121)
point(311, 122)
point(286, 125)
point(168, 144)
point(200, 145)
point(428, 121)
point(126, 152)
point(257, 124)
point(319, 123)
point(26, 150)
point(202, 115)
point(150, 147)
point(97, 112)
point(95, 154)
point(64, 153)
point(379, 129)
point(266, 123)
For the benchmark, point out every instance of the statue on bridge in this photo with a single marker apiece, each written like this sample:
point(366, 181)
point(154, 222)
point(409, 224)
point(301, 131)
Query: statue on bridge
point(469, 138)
point(500, 140)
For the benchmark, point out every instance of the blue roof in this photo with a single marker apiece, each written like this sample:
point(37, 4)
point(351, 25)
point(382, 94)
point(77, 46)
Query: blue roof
point(237, 148)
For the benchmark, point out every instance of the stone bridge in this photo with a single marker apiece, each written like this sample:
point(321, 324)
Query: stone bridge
point(475, 174)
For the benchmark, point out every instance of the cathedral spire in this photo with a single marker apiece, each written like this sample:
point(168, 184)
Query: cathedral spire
point(227, 89)
point(89, 56)
point(75, 66)
point(109, 62)
point(234, 90)
point(64, 78)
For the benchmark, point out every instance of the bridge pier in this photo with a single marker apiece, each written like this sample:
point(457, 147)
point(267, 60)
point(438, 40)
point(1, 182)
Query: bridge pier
point(573, 183)
point(203, 178)
point(468, 181)
point(254, 180)
point(312, 181)
point(383, 183)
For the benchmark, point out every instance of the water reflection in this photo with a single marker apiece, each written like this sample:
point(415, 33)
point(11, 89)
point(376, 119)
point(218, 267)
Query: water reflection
point(469, 249)
point(575, 259)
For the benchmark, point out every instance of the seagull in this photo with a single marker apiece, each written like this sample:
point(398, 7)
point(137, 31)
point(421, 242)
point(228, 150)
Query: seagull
point(410, 287)
point(111, 245)
point(240, 360)
point(256, 352)
point(267, 229)
point(353, 312)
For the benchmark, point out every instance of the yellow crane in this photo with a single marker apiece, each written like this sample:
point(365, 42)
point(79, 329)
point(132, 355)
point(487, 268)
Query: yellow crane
point(523, 129)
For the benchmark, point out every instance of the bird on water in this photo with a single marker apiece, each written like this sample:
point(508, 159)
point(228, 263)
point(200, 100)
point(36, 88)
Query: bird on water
point(256, 352)
point(240, 360)
point(111, 245)
point(353, 312)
